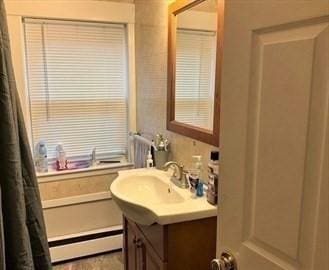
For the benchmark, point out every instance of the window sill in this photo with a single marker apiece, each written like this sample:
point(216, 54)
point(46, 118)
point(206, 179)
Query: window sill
point(103, 169)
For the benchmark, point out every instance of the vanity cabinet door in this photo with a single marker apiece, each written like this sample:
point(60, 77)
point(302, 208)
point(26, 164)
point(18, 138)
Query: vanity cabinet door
point(139, 253)
point(170, 247)
point(147, 259)
point(153, 262)
point(130, 248)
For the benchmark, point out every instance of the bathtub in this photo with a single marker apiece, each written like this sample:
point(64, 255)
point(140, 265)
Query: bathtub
point(81, 217)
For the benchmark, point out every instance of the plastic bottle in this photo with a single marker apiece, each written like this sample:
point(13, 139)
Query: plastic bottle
point(149, 160)
point(213, 165)
point(41, 159)
point(61, 161)
point(195, 174)
point(213, 173)
point(199, 189)
point(198, 165)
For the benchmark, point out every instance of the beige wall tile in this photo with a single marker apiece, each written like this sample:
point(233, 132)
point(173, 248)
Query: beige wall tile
point(76, 186)
point(151, 75)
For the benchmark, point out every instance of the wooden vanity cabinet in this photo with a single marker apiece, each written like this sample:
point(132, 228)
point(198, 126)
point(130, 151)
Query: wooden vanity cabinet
point(138, 254)
point(181, 246)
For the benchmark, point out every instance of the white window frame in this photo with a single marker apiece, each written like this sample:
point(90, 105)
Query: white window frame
point(86, 11)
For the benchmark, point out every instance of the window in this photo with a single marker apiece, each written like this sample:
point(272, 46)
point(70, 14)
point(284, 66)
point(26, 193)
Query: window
point(77, 82)
point(195, 77)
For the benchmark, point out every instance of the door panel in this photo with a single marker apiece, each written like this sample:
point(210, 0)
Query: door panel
point(279, 122)
point(151, 259)
point(273, 133)
point(321, 258)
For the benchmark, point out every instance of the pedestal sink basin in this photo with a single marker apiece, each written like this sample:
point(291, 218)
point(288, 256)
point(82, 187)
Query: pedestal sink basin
point(147, 196)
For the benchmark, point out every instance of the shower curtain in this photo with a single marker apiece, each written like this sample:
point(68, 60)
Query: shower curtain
point(23, 240)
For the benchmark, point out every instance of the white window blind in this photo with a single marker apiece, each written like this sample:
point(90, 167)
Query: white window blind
point(77, 82)
point(195, 77)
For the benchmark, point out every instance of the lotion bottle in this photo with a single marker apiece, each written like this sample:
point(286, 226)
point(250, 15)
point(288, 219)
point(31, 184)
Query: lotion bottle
point(149, 160)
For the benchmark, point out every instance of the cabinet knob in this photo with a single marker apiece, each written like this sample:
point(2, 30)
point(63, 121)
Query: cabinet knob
point(138, 243)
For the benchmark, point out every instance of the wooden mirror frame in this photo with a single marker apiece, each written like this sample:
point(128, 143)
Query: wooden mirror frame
point(200, 134)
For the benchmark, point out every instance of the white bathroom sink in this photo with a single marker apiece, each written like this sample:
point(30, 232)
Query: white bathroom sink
point(147, 196)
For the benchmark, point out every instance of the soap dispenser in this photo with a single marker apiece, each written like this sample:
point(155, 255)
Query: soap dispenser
point(198, 165)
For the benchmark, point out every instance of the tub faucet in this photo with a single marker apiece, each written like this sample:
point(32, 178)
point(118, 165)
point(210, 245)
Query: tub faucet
point(93, 157)
point(179, 178)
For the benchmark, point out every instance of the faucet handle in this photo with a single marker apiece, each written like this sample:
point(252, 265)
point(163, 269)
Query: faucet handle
point(180, 175)
point(178, 169)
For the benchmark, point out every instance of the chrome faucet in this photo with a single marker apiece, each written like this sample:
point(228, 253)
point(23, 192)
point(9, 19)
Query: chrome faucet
point(179, 178)
point(93, 157)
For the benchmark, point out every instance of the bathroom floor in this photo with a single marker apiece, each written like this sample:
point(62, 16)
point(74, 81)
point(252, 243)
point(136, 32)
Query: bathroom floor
point(112, 261)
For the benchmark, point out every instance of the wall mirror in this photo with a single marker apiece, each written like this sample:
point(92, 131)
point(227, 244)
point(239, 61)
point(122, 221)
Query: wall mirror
point(194, 61)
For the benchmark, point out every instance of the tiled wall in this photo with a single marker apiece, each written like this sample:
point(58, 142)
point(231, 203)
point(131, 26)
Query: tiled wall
point(60, 186)
point(78, 201)
point(75, 186)
point(151, 75)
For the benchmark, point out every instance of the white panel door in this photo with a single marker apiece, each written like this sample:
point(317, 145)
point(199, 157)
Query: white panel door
point(274, 135)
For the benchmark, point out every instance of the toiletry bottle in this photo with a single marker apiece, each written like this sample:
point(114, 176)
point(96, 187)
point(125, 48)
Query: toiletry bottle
point(149, 160)
point(41, 159)
point(198, 165)
point(195, 174)
point(61, 161)
point(213, 172)
point(199, 189)
point(213, 165)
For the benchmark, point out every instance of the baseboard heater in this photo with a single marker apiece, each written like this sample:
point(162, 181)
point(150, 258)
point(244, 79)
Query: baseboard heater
point(85, 244)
